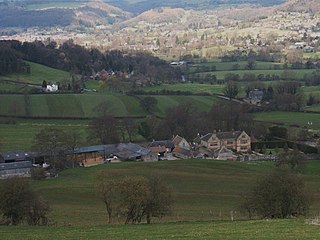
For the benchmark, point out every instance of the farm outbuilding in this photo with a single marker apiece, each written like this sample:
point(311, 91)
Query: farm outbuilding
point(15, 169)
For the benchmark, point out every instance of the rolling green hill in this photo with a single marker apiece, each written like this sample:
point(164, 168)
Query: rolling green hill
point(204, 189)
point(38, 73)
point(82, 105)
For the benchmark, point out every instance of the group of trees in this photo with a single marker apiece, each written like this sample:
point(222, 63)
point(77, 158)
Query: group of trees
point(19, 203)
point(135, 198)
point(187, 121)
point(79, 60)
point(11, 61)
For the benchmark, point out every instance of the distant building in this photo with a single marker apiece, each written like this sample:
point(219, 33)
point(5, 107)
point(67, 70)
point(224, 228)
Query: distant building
point(255, 96)
point(237, 141)
point(15, 169)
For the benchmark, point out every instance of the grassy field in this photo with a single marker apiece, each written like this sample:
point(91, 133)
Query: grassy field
point(289, 118)
point(38, 74)
point(243, 230)
point(20, 136)
point(83, 105)
point(204, 189)
point(205, 192)
point(192, 87)
point(315, 108)
point(229, 66)
point(295, 74)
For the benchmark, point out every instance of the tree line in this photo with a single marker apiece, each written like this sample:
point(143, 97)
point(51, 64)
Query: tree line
point(79, 60)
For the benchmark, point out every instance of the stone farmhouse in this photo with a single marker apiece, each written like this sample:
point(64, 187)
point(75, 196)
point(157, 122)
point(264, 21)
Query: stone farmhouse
point(238, 141)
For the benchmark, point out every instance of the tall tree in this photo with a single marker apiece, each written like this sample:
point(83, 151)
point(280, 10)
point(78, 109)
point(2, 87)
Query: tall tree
point(53, 143)
point(105, 129)
point(231, 90)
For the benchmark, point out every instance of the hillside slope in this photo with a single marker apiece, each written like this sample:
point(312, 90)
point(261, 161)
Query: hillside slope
point(92, 13)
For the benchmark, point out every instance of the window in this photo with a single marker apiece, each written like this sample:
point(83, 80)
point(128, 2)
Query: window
point(243, 142)
point(229, 142)
point(214, 144)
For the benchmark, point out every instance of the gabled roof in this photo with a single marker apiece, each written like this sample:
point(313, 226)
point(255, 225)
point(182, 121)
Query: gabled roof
point(229, 135)
point(206, 137)
point(15, 165)
point(222, 135)
point(177, 139)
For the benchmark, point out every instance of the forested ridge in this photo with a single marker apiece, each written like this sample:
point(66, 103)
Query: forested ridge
point(79, 60)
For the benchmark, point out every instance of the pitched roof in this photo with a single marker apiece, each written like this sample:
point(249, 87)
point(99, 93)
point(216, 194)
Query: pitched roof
point(229, 135)
point(182, 151)
point(176, 140)
point(206, 137)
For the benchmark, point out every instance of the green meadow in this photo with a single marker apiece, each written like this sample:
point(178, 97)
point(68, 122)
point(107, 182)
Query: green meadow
point(83, 105)
point(292, 74)
point(290, 118)
point(19, 136)
point(241, 65)
point(38, 73)
point(203, 189)
point(227, 230)
point(205, 193)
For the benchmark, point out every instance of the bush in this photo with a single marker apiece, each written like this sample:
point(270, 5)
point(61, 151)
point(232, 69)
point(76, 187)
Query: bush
point(19, 203)
point(280, 194)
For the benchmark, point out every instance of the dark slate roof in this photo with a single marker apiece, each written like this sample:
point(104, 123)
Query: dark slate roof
point(222, 135)
point(229, 135)
point(97, 148)
point(206, 137)
point(165, 143)
point(121, 150)
point(17, 156)
point(15, 165)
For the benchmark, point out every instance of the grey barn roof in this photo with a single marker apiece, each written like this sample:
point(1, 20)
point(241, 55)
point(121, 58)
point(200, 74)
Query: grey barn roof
point(17, 155)
point(122, 150)
point(15, 165)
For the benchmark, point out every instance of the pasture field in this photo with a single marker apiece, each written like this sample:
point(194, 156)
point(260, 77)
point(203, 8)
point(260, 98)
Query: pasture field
point(192, 87)
point(227, 230)
point(205, 192)
point(315, 108)
point(292, 74)
point(308, 90)
point(229, 66)
point(37, 74)
point(19, 136)
point(290, 118)
point(203, 189)
point(83, 105)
